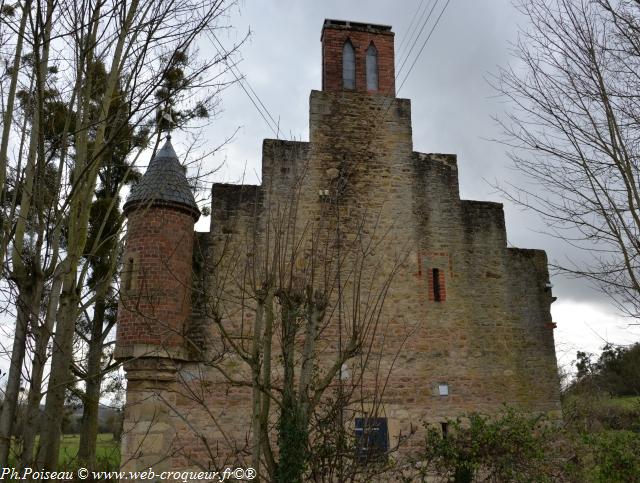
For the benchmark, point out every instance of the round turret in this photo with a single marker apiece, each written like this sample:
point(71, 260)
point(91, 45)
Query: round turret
point(155, 290)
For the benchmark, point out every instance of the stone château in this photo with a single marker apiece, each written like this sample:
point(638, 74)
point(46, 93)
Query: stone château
point(354, 268)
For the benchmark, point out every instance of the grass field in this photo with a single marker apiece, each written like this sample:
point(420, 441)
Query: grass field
point(107, 451)
point(626, 402)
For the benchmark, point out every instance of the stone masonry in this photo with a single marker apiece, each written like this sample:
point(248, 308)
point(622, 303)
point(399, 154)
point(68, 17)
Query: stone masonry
point(451, 319)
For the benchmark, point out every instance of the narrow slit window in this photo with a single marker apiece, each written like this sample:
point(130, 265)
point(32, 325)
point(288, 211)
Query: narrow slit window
point(128, 281)
point(348, 66)
point(445, 430)
point(372, 68)
point(437, 289)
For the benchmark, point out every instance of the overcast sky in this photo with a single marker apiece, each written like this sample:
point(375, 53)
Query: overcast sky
point(452, 108)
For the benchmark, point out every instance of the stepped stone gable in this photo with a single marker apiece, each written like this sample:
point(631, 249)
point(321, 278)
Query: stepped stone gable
point(465, 324)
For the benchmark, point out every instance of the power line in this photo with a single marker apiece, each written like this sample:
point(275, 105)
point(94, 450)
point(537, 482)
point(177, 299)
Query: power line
point(415, 40)
point(379, 117)
point(264, 111)
point(425, 43)
point(275, 127)
point(413, 19)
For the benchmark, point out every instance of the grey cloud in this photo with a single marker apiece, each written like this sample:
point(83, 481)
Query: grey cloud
point(452, 104)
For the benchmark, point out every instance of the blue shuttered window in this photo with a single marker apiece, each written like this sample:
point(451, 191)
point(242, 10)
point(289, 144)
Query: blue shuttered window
point(372, 439)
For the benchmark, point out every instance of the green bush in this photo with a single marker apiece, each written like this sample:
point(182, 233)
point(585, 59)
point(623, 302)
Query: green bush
point(516, 447)
point(592, 412)
point(507, 447)
point(614, 457)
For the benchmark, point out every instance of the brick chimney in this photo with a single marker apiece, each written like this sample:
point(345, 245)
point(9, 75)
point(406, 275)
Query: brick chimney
point(358, 57)
point(155, 292)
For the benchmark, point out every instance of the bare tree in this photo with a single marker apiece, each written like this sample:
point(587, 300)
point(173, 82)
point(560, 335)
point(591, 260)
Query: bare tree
point(7, 120)
point(29, 230)
point(292, 310)
point(113, 61)
point(574, 130)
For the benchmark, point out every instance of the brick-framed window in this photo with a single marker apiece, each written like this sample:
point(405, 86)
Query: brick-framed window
point(372, 439)
point(372, 67)
point(437, 288)
point(348, 65)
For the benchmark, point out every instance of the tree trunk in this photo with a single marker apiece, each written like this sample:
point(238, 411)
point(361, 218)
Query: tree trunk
point(21, 275)
point(292, 427)
point(85, 175)
point(89, 424)
point(266, 385)
point(29, 280)
point(257, 393)
point(60, 376)
point(12, 391)
point(43, 335)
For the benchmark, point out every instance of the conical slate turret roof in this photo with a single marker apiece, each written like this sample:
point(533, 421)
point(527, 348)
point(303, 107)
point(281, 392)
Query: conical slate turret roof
point(164, 183)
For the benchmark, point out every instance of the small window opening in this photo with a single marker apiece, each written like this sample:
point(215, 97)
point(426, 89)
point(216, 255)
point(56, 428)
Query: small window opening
point(443, 389)
point(437, 289)
point(348, 66)
point(372, 439)
point(445, 430)
point(345, 373)
point(128, 276)
point(372, 68)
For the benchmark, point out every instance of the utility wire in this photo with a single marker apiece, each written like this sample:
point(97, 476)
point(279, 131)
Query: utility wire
point(242, 80)
point(264, 112)
point(380, 115)
point(415, 40)
point(413, 19)
point(418, 19)
point(425, 43)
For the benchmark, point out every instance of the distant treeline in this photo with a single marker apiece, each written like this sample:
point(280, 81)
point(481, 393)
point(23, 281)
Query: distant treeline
point(616, 371)
point(109, 421)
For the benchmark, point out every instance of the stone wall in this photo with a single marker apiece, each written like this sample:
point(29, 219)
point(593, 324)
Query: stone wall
point(358, 182)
